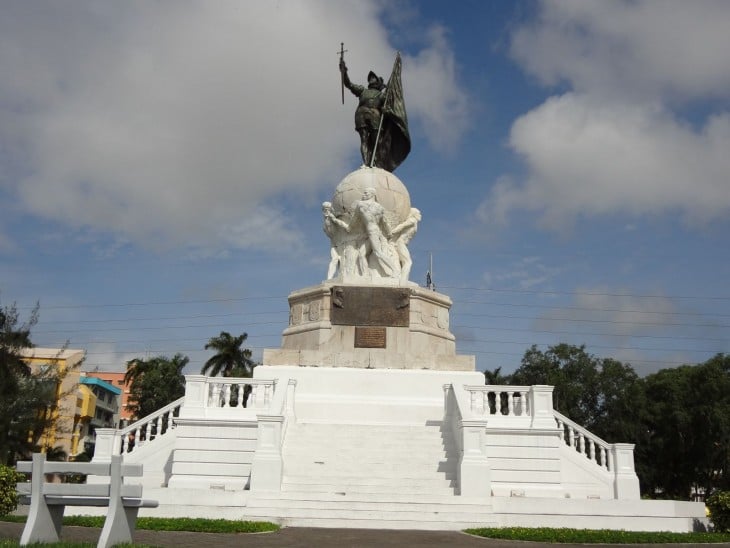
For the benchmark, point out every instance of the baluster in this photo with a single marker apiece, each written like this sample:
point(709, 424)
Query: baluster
point(137, 438)
point(581, 443)
point(226, 395)
point(523, 403)
point(214, 395)
point(241, 394)
point(591, 444)
point(609, 461)
point(148, 431)
point(125, 443)
point(561, 426)
point(510, 403)
point(169, 419)
point(604, 464)
point(571, 436)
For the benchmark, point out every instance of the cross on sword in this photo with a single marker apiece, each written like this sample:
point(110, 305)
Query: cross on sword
point(342, 77)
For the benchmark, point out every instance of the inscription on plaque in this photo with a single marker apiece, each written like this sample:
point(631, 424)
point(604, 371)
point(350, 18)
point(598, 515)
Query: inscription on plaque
point(371, 306)
point(369, 337)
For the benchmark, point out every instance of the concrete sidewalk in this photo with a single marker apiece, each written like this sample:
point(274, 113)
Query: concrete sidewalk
point(305, 537)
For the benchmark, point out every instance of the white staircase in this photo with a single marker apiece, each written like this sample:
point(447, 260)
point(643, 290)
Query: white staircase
point(383, 476)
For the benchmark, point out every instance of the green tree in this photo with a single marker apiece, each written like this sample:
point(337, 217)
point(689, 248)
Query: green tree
point(230, 360)
point(495, 377)
point(154, 383)
point(14, 338)
point(686, 435)
point(572, 371)
point(601, 394)
point(28, 399)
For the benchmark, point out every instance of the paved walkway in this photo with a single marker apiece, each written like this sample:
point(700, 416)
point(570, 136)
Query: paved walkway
point(305, 537)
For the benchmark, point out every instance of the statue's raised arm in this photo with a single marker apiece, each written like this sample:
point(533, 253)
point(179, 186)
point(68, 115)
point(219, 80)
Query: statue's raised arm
point(380, 118)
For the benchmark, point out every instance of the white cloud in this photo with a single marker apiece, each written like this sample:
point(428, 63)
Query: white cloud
point(444, 110)
point(183, 122)
point(617, 143)
point(620, 47)
point(587, 157)
point(526, 273)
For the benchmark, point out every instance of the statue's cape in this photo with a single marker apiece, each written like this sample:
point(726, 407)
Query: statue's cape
point(395, 138)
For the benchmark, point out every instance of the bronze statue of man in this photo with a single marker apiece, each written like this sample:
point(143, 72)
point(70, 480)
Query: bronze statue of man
point(380, 119)
point(368, 112)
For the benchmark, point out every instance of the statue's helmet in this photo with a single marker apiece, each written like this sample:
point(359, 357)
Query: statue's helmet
point(375, 81)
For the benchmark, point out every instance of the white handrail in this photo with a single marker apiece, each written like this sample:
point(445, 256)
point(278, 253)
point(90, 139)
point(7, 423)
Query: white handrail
point(150, 427)
point(511, 401)
point(584, 442)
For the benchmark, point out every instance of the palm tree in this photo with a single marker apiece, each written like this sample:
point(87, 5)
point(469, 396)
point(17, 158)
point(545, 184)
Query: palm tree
point(230, 359)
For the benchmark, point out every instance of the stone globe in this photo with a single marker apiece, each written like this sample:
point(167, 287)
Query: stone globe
point(391, 193)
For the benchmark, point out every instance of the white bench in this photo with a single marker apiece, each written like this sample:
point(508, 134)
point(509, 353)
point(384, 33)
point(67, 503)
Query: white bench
point(49, 500)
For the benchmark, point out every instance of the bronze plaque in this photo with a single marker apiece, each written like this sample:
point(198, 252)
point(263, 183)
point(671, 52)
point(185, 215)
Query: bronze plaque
point(369, 337)
point(383, 306)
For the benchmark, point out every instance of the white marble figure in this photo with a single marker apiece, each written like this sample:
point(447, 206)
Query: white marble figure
point(331, 229)
point(401, 236)
point(369, 239)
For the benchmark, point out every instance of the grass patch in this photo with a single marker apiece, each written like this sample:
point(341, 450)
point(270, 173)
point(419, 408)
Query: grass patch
point(196, 525)
point(596, 536)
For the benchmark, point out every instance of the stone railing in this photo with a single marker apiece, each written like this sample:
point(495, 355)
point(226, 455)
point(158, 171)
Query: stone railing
point(511, 401)
point(524, 406)
point(615, 458)
point(589, 445)
point(150, 427)
point(474, 478)
point(110, 441)
point(226, 398)
point(268, 464)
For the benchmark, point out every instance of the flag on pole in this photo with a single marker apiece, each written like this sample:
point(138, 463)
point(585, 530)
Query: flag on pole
point(395, 141)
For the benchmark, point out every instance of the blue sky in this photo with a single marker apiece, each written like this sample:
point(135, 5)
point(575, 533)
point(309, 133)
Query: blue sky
point(162, 167)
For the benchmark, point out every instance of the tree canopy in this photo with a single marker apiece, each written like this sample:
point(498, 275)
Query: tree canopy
point(230, 360)
point(154, 382)
point(28, 398)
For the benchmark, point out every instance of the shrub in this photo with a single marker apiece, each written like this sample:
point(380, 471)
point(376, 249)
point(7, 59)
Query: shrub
point(719, 505)
point(8, 494)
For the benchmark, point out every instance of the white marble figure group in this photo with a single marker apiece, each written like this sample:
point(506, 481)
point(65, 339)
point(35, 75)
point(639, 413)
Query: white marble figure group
point(367, 248)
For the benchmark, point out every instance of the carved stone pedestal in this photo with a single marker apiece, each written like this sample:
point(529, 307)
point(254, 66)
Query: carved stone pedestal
point(374, 327)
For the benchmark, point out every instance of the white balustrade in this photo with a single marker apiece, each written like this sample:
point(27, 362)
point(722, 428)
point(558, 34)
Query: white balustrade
point(239, 393)
point(509, 401)
point(585, 443)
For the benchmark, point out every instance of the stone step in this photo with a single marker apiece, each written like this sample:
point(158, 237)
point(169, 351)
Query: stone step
point(446, 489)
point(365, 470)
point(347, 517)
point(393, 484)
point(364, 522)
point(465, 503)
point(316, 454)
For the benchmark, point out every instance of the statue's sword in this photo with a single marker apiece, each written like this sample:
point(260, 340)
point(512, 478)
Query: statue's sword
point(342, 76)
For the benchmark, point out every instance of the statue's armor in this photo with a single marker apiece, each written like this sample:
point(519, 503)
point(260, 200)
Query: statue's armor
point(367, 114)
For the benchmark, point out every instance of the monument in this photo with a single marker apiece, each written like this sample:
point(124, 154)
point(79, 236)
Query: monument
point(366, 416)
point(367, 313)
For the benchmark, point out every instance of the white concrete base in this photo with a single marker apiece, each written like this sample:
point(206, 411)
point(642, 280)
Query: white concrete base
point(421, 511)
point(368, 396)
